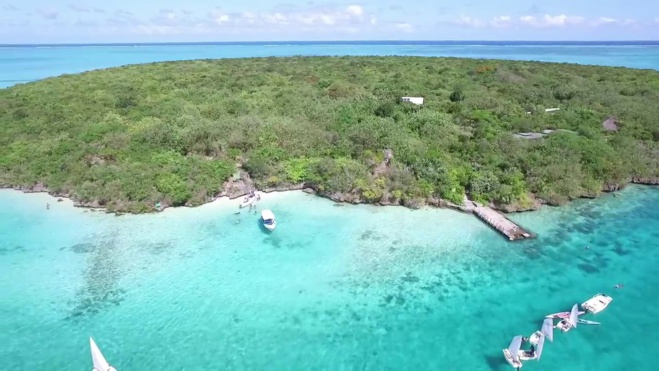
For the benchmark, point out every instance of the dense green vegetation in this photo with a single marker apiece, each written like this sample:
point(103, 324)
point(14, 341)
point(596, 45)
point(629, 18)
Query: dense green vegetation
point(174, 132)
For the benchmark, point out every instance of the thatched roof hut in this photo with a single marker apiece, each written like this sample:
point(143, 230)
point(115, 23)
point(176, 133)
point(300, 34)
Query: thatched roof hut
point(610, 124)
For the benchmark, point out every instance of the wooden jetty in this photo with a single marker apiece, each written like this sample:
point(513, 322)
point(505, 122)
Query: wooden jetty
point(502, 224)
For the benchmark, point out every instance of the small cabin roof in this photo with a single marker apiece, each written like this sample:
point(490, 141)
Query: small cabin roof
point(414, 100)
point(610, 124)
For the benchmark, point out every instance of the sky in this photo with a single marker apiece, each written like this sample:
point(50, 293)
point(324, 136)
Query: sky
point(86, 21)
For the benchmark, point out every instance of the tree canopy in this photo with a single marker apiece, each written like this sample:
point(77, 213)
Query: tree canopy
point(174, 132)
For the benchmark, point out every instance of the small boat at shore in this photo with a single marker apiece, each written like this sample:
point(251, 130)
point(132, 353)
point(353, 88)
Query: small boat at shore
point(567, 324)
point(100, 364)
point(597, 303)
point(512, 352)
point(268, 218)
point(250, 199)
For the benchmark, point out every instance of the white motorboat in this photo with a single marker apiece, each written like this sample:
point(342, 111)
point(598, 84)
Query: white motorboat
point(100, 364)
point(597, 303)
point(268, 218)
point(567, 324)
point(250, 199)
point(512, 352)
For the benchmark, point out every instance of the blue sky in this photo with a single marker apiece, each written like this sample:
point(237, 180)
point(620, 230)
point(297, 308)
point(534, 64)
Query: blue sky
point(85, 21)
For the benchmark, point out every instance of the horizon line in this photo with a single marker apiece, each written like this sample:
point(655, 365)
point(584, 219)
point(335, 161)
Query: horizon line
point(327, 42)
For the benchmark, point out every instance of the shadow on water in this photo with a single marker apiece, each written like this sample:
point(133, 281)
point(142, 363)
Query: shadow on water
point(100, 289)
point(13, 249)
point(495, 363)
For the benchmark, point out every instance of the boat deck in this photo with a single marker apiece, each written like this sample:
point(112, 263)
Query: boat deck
point(502, 224)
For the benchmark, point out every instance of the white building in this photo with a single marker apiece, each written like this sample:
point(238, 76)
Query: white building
point(415, 100)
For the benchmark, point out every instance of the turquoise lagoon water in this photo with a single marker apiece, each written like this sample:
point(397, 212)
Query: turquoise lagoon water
point(333, 288)
point(19, 64)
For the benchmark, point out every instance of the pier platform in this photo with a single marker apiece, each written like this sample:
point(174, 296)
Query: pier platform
point(502, 224)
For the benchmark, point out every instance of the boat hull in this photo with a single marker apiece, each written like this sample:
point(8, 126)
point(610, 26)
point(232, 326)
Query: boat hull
point(270, 227)
point(563, 315)
point(564, 326)
point(597, 303)
point(587, 322)
point(525, 355)
point(248, 202)
point(515, 363)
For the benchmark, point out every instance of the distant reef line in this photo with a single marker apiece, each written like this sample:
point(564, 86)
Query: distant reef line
point(234, 189)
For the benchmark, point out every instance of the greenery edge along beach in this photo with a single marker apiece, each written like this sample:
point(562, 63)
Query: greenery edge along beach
point(511, 134)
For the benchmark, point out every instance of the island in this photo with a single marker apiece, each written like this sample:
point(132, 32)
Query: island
point(409, 131)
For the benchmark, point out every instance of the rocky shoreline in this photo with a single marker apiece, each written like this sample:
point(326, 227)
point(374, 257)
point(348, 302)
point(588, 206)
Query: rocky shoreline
point(241, 186)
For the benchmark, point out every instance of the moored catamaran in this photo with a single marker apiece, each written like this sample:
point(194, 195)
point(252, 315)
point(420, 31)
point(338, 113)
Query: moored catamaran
point(537, 340)
point(563, 315)
point(512, 352)
point(571, 322)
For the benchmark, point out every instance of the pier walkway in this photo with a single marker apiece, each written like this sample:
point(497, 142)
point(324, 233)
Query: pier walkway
point(502, 224)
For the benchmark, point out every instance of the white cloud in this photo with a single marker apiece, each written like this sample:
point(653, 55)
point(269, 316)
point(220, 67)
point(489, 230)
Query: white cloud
point(405, 27)
point(469, 22)
point(544, 21)
point(351, 15)
point(123, 13)
point(613, 21)
point(79, 8)
point(166, 17)
point(605, 20)
point(551, 20)
point(289, 21)
point(502, 21)
point(85, 23)
point(497, 22)
point(355, 10)
point(219, 17)
point(48, 13)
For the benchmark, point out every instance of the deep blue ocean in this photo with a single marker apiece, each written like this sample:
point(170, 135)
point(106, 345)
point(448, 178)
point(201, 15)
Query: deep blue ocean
point(333, 288)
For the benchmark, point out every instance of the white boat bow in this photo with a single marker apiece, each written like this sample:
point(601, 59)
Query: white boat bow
point(512, 352)
point(250, 200)
point(269, 221)
point(100, 364)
